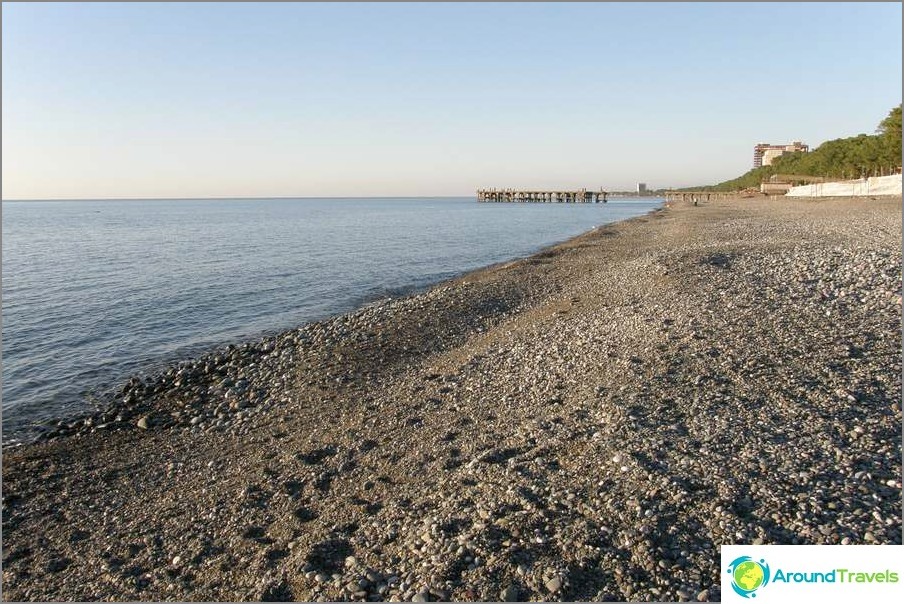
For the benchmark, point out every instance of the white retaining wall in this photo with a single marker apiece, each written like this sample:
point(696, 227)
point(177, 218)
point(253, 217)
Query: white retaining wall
point(877, 185)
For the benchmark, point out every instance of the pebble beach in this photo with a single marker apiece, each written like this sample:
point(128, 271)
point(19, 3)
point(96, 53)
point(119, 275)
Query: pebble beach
point(588, 423)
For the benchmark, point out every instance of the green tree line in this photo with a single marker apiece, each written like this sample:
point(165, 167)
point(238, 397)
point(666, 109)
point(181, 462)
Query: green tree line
point(852, 157)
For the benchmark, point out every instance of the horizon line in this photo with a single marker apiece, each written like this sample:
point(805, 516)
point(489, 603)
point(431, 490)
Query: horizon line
point(233, 198)
point(39, 199)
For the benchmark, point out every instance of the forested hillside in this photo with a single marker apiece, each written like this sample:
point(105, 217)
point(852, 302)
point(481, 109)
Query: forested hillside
point(852, 157)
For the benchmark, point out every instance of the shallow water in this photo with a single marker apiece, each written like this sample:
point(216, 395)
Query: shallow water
point(94, 291)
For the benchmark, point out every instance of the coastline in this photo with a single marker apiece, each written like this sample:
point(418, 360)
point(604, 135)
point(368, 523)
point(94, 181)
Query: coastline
point(85, 380)
point(108, 399)
point(567, 425)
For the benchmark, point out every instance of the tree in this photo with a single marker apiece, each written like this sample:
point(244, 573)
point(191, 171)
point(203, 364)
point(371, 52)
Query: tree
point(890, 131)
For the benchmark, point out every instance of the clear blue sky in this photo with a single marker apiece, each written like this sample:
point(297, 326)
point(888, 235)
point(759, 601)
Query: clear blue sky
point(196, 100)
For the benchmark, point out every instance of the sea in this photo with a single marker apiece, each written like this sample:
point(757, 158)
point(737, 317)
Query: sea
point(96, 291)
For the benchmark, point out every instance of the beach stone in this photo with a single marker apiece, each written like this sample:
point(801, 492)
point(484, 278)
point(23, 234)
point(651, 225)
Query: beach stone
point(509, 594)
point(275, 591)
point(55, 565)
point(143, 423)
point(554, 584)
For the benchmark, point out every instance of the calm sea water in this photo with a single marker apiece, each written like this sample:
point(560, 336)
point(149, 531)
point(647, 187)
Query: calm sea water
point(94, 291)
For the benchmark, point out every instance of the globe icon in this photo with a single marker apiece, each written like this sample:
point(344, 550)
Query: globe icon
point(748, 575)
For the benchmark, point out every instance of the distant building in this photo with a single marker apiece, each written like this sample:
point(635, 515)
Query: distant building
point(764, 153)
point(641, 188)
point(775, 186)
point(779, 184)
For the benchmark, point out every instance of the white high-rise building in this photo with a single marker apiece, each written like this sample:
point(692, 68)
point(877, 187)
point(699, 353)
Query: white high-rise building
point(641, 188)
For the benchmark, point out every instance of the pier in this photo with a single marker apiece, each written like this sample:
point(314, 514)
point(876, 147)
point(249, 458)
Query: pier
point(518, 196)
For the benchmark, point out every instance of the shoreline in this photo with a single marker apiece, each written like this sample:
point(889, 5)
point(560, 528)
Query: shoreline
point(104, 396)
point(588, 422)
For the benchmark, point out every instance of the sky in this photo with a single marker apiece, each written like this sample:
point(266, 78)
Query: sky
point(145, 100)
